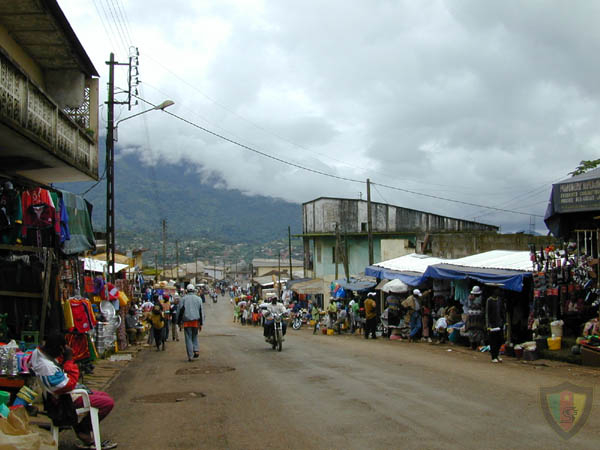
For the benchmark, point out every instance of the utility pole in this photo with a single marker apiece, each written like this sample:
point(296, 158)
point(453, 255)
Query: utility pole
point(290, 250)
point(279, 274)
point(236, 261)
point(336, 250)
point(156, 265)
point(370, 223)
point(110, 171)
point(177, 260)
point(215, 271)
point(164, 239)
point(110, 162)
point(346, 265)
point(196, 260)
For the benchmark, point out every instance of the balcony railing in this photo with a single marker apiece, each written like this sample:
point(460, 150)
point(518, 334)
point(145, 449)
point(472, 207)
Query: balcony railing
point(28, 107)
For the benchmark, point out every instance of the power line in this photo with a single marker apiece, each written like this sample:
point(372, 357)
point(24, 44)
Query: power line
point(277, 135)
point(319, 172)
point(125, 20)
point(108, 34)
point(117, 26)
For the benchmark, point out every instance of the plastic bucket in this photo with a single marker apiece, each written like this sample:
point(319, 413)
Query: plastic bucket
point(312, 323)
point(329, 331)
point(556, 330)
point(554, 343)
point(324, 330)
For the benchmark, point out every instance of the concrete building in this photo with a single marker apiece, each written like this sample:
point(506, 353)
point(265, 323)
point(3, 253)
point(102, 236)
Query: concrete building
point(48, 96)
point(262, 266)
point(396, 232)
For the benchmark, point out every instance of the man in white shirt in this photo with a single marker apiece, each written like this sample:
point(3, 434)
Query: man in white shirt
point(274, 307)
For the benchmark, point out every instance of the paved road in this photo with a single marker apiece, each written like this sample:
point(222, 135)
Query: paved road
point(340, 392)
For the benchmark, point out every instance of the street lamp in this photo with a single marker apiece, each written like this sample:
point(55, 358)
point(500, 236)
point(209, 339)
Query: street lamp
point(111, 137)
point(160, 107)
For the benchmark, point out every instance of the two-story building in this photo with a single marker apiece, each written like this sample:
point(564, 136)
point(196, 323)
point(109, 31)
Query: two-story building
point(48, 96)
point(264, 266)
point(335, 229)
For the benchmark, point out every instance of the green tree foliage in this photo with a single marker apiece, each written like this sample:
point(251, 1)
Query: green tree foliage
point(584, 166)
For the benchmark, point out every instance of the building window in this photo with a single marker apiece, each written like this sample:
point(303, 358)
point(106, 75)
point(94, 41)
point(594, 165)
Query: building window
point(363, 226)
point(319, 253)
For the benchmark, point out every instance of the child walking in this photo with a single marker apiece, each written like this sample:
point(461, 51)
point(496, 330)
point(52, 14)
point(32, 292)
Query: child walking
point(157, 319)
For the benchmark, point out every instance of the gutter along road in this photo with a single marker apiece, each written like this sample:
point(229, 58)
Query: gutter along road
point(333, 392)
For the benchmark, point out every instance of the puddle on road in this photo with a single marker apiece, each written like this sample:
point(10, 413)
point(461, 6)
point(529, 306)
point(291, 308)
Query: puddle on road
point(169, 397)
point(203, 370)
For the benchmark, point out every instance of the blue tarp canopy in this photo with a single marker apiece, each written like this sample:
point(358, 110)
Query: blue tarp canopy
point(355, 285)
point(410, 278)
point(506, 279)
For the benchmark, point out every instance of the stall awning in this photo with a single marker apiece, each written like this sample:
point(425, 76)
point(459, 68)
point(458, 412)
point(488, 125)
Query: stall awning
point(96, 265)
point(354, 284)
point(503, 267)
point(309, 286)
point(506, 279)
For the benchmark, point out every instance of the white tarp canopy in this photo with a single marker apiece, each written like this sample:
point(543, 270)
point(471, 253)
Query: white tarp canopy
point(96, 265)
point(410, 263)
point(497, 259)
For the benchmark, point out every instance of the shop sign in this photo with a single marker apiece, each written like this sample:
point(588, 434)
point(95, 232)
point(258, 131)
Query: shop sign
point(566, 407)
point(578, 196)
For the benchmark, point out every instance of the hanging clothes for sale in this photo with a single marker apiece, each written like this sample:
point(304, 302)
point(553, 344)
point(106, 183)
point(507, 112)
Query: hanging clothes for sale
point(39, 218)
point(83, 315)
point(61, 217)
point(79, 225)
point(11, 214)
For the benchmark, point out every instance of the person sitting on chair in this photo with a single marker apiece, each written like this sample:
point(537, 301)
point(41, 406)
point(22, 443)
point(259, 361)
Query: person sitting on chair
point(53, 364)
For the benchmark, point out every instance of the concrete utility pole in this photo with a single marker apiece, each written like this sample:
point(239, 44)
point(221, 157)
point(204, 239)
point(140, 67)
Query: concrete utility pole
point(370, 223)
point(215, 271)
point(279, 274)
point(346, 265)
point(164, 239)
point(336, 250)
point(196, 259)
point(177, 259)
point(290, 250)
point(110, 171)
point(156, 265)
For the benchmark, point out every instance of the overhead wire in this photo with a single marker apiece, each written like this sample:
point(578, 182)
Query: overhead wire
point(326, 174)
point(118, 26)
point(280, 137)
point(108, 34)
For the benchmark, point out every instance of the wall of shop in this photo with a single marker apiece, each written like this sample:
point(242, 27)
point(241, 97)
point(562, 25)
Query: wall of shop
point(458, 245)
point(358, 256)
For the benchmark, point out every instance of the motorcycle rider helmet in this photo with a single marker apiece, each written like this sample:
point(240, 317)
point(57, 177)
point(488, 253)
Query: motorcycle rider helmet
point(191, 287)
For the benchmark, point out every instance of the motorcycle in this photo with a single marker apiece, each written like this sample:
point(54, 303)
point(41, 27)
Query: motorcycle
point(214, 297)
point(276, 338)
point(299, 319)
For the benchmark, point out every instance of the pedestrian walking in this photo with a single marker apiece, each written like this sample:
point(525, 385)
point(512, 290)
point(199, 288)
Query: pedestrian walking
point(494, 323)
point(174, 313)
point(165, 304)
point(191, 315)
point(157, 319)
point(316, 316)
point(371, 316)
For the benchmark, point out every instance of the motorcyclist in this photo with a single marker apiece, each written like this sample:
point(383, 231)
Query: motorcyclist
point(275, 307)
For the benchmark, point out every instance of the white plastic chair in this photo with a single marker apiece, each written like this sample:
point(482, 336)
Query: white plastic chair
point(81, 413)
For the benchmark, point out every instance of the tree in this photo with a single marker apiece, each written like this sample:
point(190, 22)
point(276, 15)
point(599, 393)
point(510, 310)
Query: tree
point(584, 166)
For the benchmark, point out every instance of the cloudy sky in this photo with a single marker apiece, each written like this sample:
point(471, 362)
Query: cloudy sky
point(478, 101)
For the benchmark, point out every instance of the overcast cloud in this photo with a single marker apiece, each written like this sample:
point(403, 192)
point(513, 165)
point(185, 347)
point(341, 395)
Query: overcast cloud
point(480, 101)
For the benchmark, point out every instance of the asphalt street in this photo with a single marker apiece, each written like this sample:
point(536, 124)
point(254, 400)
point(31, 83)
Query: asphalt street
point(333, 392)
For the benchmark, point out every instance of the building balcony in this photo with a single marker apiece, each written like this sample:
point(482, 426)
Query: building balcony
point(39, 140)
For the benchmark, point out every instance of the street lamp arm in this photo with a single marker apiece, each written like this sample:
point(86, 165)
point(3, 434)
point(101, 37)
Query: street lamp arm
point(160, 107)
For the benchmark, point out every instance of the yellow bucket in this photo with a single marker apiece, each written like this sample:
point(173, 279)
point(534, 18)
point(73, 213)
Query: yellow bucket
point(554, 343)
point(312, 323)
point(329, 331)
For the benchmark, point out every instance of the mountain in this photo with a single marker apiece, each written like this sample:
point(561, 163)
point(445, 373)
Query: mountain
point(144, 195)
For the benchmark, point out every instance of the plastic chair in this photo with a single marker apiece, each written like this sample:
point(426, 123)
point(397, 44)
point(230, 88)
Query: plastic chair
point(81, 413)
